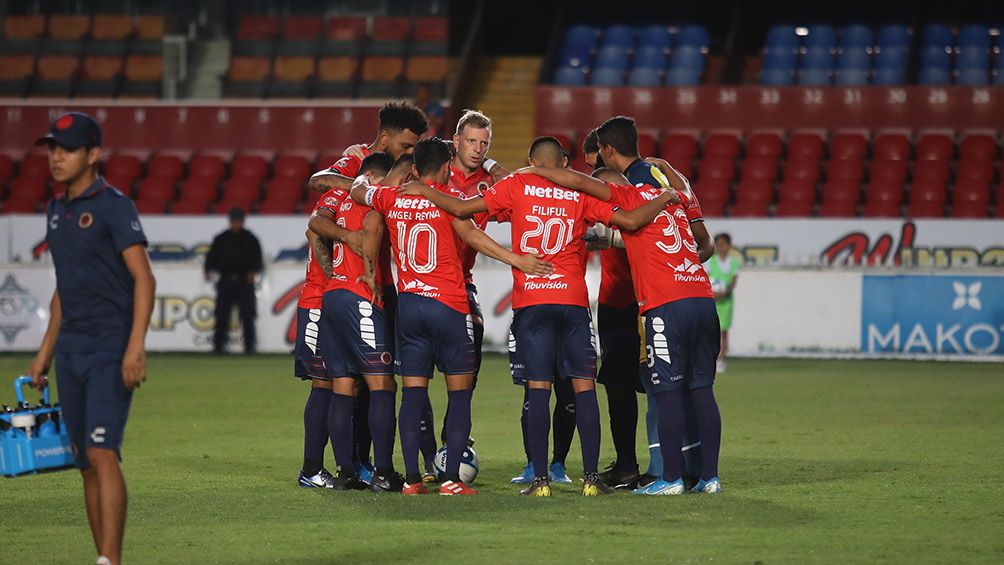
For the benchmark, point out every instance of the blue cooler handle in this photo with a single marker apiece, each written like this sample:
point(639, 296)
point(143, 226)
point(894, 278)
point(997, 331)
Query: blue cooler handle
point(19, 389)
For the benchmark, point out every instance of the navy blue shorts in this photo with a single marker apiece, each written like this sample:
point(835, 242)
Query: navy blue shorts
point(554, 340)
point(430, 333)
point(479, 327)
point(94, 401)
point(354, 336)
point(683, 339)
point(307, 361)
point(620, 346)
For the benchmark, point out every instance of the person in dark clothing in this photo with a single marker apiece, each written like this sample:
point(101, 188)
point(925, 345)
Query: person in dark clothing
point(236, 256)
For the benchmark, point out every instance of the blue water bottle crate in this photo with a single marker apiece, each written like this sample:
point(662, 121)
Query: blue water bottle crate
point(32, 439)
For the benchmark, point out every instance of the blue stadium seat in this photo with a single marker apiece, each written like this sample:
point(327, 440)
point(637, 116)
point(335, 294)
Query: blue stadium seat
point(683, 77)
point(821, 36)
point(582, 35)
point(889, 76)
point(937, 35)
point(817, 57)
point(656, 36)
point(693, 36)
point(852, 77)
point(576, 56)
point(856, 36)
point(814, 77)
point(890, 57)
point(570, 76)
point(650, 57)
point(935, 57)
point(613, 57)
point(687, 58)
point(855, 58)
point(607, 77)
point(642, 76)
point(776, 77)
point(782, 58)
point(619, 35)
point(972, 58)
point(974, 35)
point(781, 37)
point(972, 77)
point(894, 36)
point(998, 78)
point(934, 76)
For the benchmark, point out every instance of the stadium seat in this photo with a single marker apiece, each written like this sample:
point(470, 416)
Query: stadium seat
point(889, 76)
point(199, 189)
point(687, 58)
point(755, 190)
point(29, 187)
point(777, 77)
point(210, 168)
point(844, 170)
point(935, 147)
point(431, 29)
point(646, 143)
point(292, 76)
point(246, 77)
point(857, 58)
point(693, 36)
point(814, 77)
point(683, 77)
point(189, 207)
point(936, 58)
point(253, 167)
point(295, 168)
point(931, 170)
point(821, 37)
point(150, 27)
point(157, 189)
point(224, 206)
point(882, 210)
point(782, 36)
point(841, 191)
point(6, 170)
point(345, 29)
point(165, 167)
point(796, 198)
point(974, 36)
point(299, 36)
point(848, 146)
point(388, 36)
point(850, 77)
point(712, 189)
point(20, 205)
point(576, 56)
point(606, 77)
point(937, 35)
point(430, 69)
point(618, 36)
point(124, 167)
point(884, 191)
point(717, 168)
point(277, 207)
point(721, 145)
point(972, 77)
point(801, 170)
point(817, 58)
point(973, 58)
point(143, 76)
point(145, 207)
point(974, 169)
point(100, 75)
point(805, 146)
point(69, 27)
point(656, 37)
point(978, 146)
point(284, 189)
point(257, 27)
point(759, 169)
point(56, 75)
point(970, 200)
point(123, 184)
point(856, 36)
point(677, 145)
point(113, 28)
point(779, 59)
point(15, 73)
point(613, 57)
point(34, 165)
point(336, 76)
point(23, 27)
point(891, 146)
point(764, 145)
point(891, 58)
point(241, 189)
point(570, 76)
point(749, 209)
point(887, 170)
point(381, 76)
point(928, 191)
point(934, 76)
point(310, 199)
point(646, 77)
point(894, 36)
point(585, 35)
point(650, 58)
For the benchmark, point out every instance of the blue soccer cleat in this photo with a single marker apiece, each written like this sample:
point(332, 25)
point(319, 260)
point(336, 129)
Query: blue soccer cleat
point(365, 472)
point(710, 486)
point(557, 473)
point(662, 488)
point(322, 479)
point(525, 478)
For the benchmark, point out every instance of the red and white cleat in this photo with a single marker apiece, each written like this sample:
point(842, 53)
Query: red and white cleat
point(417, 488)
point(451, 488)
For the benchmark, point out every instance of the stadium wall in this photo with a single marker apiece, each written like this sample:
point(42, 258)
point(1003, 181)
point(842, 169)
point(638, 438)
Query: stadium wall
point(807, 291)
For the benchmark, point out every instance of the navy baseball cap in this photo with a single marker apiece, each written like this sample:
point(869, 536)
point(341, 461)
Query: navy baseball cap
point(73, 130)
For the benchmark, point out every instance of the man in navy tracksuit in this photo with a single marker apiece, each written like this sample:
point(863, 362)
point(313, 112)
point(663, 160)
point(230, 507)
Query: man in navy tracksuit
point(98, 320)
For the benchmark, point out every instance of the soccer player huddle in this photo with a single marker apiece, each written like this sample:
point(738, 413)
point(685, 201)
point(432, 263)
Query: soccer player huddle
point(424, 204)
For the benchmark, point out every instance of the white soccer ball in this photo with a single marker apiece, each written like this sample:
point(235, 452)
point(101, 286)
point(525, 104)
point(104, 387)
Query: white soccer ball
point(468, 465)
point(718, 287)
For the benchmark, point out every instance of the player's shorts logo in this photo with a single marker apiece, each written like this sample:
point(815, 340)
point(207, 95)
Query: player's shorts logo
point(367, 329)
point(98, 435)
point(86, 220)
point(660, 345)
point(385, 358)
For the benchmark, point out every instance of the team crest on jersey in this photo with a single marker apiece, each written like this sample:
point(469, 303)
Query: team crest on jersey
point(86, 220)
point(329, 201)
point(483, 186)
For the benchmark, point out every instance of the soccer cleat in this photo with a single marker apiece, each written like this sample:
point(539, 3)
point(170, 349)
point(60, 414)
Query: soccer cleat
point(525, 478)
point(365, 472)
point(391, 482)
point(557, 473)
point(593, 486)
point(346, 481)
point(455, 488)
point(417, 488)
point(430, 474)
point(322, 479)
point(662, 488)
point(646, 480)
point(539, 487)
point(615, 477)
point(710, 486)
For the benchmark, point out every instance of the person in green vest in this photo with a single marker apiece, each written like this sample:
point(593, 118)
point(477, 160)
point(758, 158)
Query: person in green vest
point(723, 270)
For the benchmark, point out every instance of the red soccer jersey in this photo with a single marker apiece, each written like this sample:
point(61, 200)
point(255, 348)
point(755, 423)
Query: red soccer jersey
point(315, 283)
point(425, 247)
point(663, 254)
point(346, 266)
point(349, 165)
point(550, 220)
point(470, 186)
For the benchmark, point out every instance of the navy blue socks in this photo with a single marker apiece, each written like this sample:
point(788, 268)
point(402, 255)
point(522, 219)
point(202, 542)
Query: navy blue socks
point(340, 430)
point(539, 428)
point(709, 423)
point(429, 444)
point(563, 419)
point(671, 433)
point(587, 419)
point(458, 429)
point(381, 419)
point(413, 400)
point(315, 430)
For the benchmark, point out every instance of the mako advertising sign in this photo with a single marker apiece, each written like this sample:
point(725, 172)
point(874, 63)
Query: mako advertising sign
point(933, 315)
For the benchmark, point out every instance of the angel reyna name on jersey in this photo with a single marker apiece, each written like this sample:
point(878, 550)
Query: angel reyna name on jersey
point(425, 210)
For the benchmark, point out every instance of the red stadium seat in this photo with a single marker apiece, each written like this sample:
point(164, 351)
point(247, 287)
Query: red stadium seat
point(158, 189)
point(760, 168)
point(931, 170)
point(189, 207)
point(241, 189)
point(764, 145)
point(848, 146)
point(23, 26)
point(969, 209)
point(841, 191)
point(124, 167)
point(249, 69)
point(150, 27)
point(20, 205)
point(894, 147)
point(337, 69)
point(58, 67)
point(144, 68)
point(199, 189)
point(257, 27)
point(749, 209)
point(291, 167)
point(796, 198)
point(16, 67)
point(794, 209)
point(881, 192)
point(844, 170)
point(837, 210)
point(805, 146)
point(721, 145)
point(717, 168)
point(111, 27)
point(978, 147)
point(302, 28)
point(151, 206)
point(565, 141)
point(882, 210)
point(935, 147)
point(678, 145)
point(646, 144)
point(428, 69)
point(755, 190)
point(975, 169)
point(283, 189)
point(224, 206)
point(325, 160)
point(123, 184)
point(165, 166)
point(34, 165)
point(69, 26)
point(6, 170)
point(925, 210)
point(802, 170)
point(346, 29)
point(683, 166)
point(887, 170)
point(971, 191)
point(713, 207)
point(278, 207)
point(100, 67)
point(390, 29)
point(209, 168)
point(382, 69)
point(28, 188)
point(294, 69)
point(310, 200)
point(928, 191)
point(432, 29)
point(252, 167)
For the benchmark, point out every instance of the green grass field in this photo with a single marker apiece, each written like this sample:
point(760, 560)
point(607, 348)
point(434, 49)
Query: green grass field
point(822, 461)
